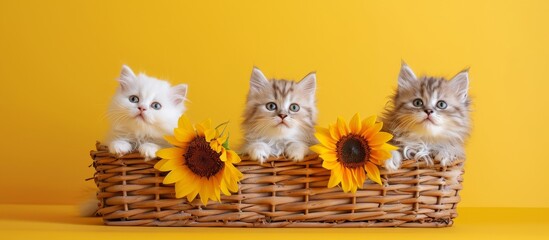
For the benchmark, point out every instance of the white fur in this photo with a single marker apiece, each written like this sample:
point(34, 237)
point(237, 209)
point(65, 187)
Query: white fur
point(144, 133)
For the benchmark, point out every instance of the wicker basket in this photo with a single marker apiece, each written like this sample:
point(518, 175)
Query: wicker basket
point(278, 193)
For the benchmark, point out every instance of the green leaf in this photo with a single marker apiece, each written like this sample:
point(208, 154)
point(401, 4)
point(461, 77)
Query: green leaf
point(226, 143)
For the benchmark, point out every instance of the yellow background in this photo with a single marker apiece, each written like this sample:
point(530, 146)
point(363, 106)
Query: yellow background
point(59, 61)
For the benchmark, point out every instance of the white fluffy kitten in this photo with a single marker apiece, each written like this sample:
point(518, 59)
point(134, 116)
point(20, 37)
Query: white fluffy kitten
point(429, 118)
point(280, 117)
point(143, 110)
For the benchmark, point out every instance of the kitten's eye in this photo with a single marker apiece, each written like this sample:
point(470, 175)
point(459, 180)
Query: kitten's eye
point(134, 99)
point(417, 102)
point(271, 106)
point(442, 104)
point(294, 107)
point(156, 105)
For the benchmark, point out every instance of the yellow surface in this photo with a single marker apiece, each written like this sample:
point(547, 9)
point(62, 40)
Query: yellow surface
point(61, 222)
point(59, 59)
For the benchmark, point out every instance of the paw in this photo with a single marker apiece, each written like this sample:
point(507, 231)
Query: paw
point(393, 163)
point(296, 151)
point(120, 147)
point(259, 151)
point(148, 150)
point(444, 160)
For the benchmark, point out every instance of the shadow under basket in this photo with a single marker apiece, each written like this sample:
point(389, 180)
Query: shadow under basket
point(278, 193)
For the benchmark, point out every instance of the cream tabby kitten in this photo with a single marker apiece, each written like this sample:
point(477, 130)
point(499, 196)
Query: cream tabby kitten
point(279, 118)
point(429, 118)
point(143, 110)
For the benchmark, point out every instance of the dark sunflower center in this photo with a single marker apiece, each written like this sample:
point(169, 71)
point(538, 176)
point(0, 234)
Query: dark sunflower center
point(353, 151)
point(201, 159)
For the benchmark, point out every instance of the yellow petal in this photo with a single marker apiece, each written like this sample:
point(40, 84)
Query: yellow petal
point(173, 141)
point(373, 172)
point(330, 164)
point(170, 153)
point(203, 126)
point(354, 125)
point(387, 147)
point(342, 126)
point(185, 124)
point(329, 157)
point(361, 177)
point(320, 149)
point(191, 196)
point(214, 145)
point(183, 189)
point(209, 134)
point(204, 191)
point(159, 164)
point(326, 140)
point(372, 131)
point(183, 135)
point(335, 177)
point(379, 139)
point(368, 123)
point(223, 156)
point(233, 157)
point(334, 133)
point(174, 176)
point(380, 155)
point(172, 164)
point(346, 180)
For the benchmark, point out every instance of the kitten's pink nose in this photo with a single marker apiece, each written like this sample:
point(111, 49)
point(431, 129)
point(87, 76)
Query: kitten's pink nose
point(428, 111)
point(282, 116)
point(141, 109)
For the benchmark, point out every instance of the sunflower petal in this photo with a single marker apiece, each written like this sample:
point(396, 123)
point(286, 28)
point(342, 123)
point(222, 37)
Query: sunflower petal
point(191, 196)
point(368, 123)
point(330, 164)
point(361, 178)
point(334, 133)
point(185, 124)
point(183, 135)
point(170, 153)
point(342, 126)
point(373, 172)
point(380, 155)
point(233, 157)
point(346, 180)
point(326, 140)
point(320, 149)
point(223, 156)
point(354, 125)
point(173, 141)
point(373, 130)
point(388, 147)
point(329, 157)
point(171, 165)
point(159, 164)
point(174, 176)
point(380, 138)
point(335, 177)
point(209, 134)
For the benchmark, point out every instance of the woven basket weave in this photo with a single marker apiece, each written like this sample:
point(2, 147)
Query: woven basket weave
point(278, 193)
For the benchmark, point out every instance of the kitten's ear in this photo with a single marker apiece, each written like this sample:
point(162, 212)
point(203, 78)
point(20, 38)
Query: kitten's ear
point(180, 93)
point(258, 81)
point(460, 83)
point(126, 77)
point(308, 84)
point(406, 77)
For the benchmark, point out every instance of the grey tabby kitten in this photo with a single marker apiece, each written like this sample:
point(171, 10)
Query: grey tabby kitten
point(429, 118)
point(279, 118)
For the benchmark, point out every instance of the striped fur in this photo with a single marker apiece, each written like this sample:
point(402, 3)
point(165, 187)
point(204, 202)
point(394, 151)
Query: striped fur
point(438, 136)
point(273, 132)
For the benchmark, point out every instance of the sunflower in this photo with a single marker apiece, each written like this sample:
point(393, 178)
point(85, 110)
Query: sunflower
point(353, 152)
point(200, 162)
